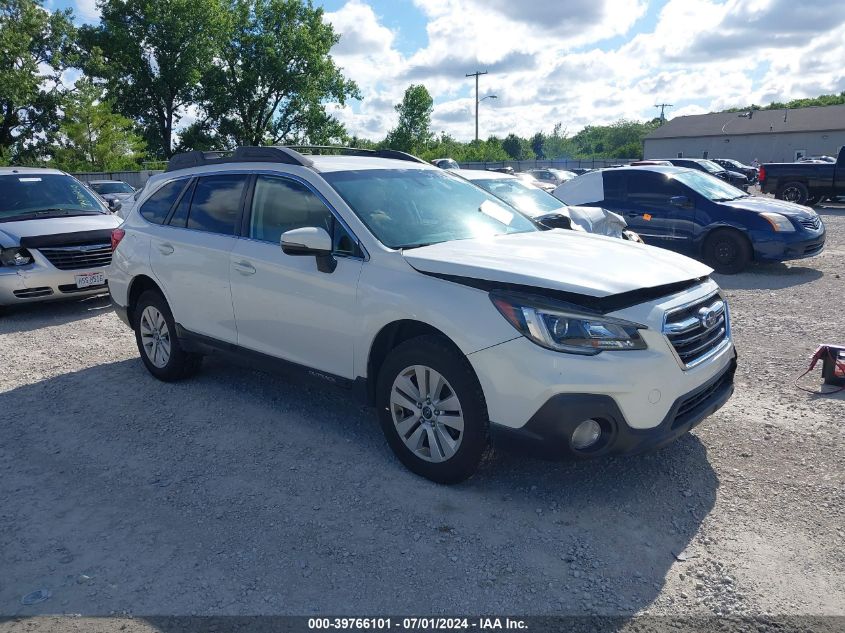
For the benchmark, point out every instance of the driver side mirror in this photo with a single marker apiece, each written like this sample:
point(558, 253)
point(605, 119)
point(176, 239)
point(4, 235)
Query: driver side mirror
point(555, 221)
point(310, 240)
point(681, 201)
point(115, 205)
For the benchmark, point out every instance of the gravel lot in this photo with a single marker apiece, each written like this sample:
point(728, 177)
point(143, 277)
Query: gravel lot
point(241, 493)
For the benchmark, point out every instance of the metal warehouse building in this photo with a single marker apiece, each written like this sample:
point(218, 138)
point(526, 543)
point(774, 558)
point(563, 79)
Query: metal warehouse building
point(770, 136)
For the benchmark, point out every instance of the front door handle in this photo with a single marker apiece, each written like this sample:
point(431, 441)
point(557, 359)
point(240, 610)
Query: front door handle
point(244, 268)
point(165, 249)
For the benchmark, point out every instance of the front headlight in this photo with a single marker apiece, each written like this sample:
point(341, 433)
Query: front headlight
point(780, 223)
point(14, 257)
point(562, 329)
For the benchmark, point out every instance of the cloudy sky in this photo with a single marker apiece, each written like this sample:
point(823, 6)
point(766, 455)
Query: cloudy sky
point(577, 61)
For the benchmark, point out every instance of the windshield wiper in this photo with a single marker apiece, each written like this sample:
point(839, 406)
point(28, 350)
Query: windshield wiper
point(414, 245)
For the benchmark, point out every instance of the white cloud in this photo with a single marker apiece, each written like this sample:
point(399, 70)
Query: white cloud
point(547, 62)
point(87, 10)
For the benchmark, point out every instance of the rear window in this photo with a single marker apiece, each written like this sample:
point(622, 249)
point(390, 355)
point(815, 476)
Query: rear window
point(158, 205)
point(111, 187)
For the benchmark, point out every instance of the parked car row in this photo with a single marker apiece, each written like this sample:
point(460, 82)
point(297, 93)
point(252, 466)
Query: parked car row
point(464, 305)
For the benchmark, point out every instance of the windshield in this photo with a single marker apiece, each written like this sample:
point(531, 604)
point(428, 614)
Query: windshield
point(111, 187)
point(709, 186)
point(710, 166)
point(28, 196)
point(528, 199)
point(416, 207)
point(563, 174)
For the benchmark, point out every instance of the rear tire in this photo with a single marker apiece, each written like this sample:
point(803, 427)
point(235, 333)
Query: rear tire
point(439, 431)
point(727, 252)
point(796, 192)
point(158, 344)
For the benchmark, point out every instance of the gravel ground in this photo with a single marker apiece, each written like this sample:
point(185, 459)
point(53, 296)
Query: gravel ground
point(241, 493)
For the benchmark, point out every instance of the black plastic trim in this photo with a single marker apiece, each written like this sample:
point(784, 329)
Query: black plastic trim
point(603, 305)
point(201, 344)
point(548, 431)
point(248, 154)
point(67, 239)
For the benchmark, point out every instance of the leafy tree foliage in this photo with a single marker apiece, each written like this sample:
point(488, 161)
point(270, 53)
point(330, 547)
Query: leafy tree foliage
point(821, 100)
point(413, 133)
point(36, 46)
point(272, 76)
point(91, 136)
point(152, 54)
point(517, 148)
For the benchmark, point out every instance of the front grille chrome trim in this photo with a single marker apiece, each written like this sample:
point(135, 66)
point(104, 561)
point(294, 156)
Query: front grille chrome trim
point(694, 339)
point(78, 257)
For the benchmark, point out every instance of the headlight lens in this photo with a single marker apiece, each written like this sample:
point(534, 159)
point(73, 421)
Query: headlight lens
point(780, 223)
point(564, 330)
point(14, 257)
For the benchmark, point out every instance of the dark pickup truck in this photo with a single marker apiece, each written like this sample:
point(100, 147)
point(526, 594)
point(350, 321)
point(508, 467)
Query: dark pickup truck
point(804, 183)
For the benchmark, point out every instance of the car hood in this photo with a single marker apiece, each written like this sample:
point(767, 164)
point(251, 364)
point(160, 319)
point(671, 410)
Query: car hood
point(569, 261)
point(759, 204)
point(12, 232)
point(116, 196)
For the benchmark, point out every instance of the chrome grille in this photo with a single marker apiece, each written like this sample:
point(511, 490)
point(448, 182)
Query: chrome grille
point(698, 330)
point(811, 223)
point(78, 257)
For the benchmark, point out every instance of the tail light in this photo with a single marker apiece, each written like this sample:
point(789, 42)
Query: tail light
point(116, 236)
point(761, 175)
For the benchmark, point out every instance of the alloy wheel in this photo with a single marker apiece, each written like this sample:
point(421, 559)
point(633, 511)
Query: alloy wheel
point(155, 336)
point(426, 413)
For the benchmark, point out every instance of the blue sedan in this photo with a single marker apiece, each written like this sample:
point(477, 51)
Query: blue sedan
point(696, 214)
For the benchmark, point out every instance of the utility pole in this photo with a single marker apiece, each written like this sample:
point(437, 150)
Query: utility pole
point(476, 74)
point(662, 107)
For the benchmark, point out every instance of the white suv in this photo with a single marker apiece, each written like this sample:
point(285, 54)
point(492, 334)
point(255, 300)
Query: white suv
point(456, 316)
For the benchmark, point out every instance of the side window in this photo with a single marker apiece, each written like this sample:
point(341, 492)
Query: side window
point(216, 203)
point(649, 188)
point(614, 185)
point(180, 215)
point(157, 206)
point(280, 205)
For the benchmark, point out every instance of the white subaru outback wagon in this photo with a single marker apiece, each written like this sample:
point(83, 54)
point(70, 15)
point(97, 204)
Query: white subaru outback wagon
point(460, 319)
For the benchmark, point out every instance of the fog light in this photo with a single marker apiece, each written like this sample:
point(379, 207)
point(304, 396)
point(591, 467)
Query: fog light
point(585, 435)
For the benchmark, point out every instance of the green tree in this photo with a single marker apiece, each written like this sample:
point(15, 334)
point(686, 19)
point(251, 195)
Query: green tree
point(91, 136)
point(413, 133)
point(517, 148)
point(152, 54)
point(36, 46)
point(274, 74)
point(538, 142)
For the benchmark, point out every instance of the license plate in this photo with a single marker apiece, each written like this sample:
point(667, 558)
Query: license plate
point(90, 279)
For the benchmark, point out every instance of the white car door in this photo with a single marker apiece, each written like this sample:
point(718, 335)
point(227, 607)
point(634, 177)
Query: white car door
point(284, 305)
point(189, 254)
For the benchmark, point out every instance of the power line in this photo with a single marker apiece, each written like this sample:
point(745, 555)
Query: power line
point(663, 107)
point(476, 74)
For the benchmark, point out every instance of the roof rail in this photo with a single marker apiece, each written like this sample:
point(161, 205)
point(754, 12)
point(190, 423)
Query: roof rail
point(270, 154)
point(357, 151)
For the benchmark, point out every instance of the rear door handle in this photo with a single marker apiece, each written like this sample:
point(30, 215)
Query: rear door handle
point(165, 249)
point(244, 268)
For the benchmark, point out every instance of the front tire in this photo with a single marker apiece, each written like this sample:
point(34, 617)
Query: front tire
point(158, 344)
point(432, 410)
point(727, 252)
